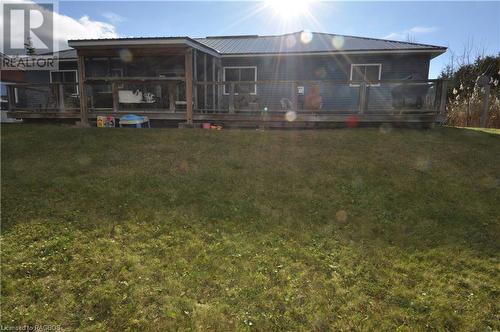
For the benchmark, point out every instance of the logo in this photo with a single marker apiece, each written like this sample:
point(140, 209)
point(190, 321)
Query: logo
point(28, 36)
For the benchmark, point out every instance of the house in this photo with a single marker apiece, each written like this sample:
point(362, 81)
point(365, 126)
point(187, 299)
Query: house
point(297, 79)
point(8, 76)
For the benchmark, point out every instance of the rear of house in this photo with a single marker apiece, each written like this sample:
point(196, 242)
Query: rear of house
point(297, 79)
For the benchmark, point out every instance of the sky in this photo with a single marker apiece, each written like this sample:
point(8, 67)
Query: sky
point(451, 24)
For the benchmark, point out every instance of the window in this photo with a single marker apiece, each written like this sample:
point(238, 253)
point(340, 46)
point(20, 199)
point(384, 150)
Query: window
point(232, 74)
point(116, 72)
point(369, 73)
point(65, 76)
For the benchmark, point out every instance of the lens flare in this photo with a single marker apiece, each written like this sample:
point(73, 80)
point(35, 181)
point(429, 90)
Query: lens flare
point(385, 128)
point(306, 37)
point(341, 216)
point(320, 73)
point(290, 116)
point(352, 121)
point(423, 164)
point(125, 55)
point(338, 42)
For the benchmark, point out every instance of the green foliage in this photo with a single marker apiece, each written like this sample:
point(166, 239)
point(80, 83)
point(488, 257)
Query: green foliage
point(464, 77)
point(360, 229)
point(465, 96)
point(28, 47)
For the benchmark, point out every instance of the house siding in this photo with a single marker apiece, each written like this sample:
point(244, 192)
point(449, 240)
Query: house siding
point(339, 97)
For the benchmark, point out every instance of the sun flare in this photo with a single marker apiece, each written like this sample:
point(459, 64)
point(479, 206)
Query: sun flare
point(289, 9)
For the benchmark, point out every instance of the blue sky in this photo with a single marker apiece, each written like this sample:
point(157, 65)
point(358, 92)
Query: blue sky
point(450, 24)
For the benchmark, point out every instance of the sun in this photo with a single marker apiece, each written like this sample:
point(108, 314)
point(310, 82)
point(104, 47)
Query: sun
point(289, 9)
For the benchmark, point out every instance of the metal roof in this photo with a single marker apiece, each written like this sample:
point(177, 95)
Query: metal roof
point(142, 41)
point(66, 54)
point(308, 42)
point(301, 42)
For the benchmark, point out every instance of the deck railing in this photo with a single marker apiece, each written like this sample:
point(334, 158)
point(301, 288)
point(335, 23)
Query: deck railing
point(325, 96)
point(168, 95)
point(142, 95)
point(43, 97)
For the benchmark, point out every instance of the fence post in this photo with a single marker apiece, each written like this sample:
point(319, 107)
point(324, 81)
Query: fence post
point(362, 97)
point(116, 100)
point(484, 82)
point(231, 98)
point(60, 98)
point(84, 117)
point(486, 102)
point(189, 86)
point(295, 105)
point(442, 102)
point(11, 95)
point(171, 96)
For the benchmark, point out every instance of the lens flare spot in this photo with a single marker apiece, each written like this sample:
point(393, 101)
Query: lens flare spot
point(352, 121)
point(357, 183)
point(490, 182)
point(306, 37)
point(341, 216)
point(290, 116)
point(338, 42)
point(126, 56)
point(385, 128)
point(423, 164)
point(291, 41)
point(84, 160)
point(320, 72)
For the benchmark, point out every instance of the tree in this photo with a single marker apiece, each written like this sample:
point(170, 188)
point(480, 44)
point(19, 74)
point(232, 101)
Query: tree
point(28, 47)
point(464, 93)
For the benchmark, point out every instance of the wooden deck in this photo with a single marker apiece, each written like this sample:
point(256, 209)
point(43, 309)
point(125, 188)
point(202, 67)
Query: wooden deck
point(253, 119)
point(56, 102)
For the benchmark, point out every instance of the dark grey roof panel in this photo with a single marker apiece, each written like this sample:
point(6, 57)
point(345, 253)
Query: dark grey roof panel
point(306, 42)
point(297, 42)
point(64, 54)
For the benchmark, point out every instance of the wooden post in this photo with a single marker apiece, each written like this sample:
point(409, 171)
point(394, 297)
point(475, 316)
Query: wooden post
point(213, 84)
point(295, 105)
point(486, 101)
point(116, 98)
point(84, 117)
point(362, 98)
point(220, 87)
point(205, 100)
point(442, 102)
point(195, 78)
point(60, 98)
point(11, 95)
point(231, 98)
point(171, 95)
point(189, 85)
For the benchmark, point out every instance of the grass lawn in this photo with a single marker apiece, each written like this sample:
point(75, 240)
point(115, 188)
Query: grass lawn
point(486, 130)
point(167, 229)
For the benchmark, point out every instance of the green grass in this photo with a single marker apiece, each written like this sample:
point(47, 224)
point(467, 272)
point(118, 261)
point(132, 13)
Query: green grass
point(486, 130)
point(168, 229)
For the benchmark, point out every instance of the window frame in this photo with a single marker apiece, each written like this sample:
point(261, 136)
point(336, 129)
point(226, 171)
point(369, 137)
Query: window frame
point(365, 65)
point(65, 71)
point(226, 93)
